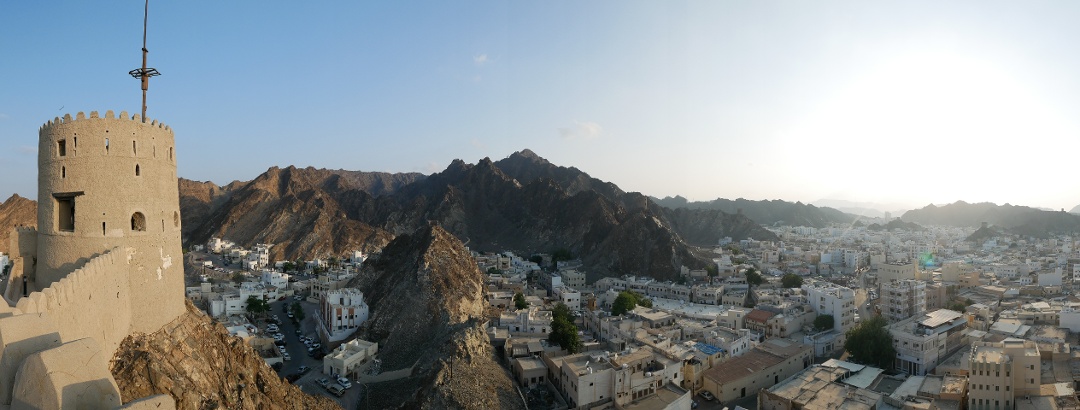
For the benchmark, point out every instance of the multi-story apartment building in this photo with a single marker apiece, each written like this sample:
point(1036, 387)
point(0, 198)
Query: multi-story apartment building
point(831, 299)
point(1000, 372)
point(921, 342)
point(937, 296)
point(707, 294)
point(568, 296)
point(342, 311)
point(889, 272)
point(573, 278)
point(901, 299)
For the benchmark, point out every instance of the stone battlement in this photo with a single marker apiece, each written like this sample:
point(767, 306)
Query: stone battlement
point(55, 344)
point(94, 114)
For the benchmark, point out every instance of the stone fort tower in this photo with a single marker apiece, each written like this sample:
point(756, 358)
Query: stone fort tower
point(106, 183)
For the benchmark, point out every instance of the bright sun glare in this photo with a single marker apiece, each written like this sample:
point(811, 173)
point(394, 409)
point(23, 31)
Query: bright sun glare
point(956, 126)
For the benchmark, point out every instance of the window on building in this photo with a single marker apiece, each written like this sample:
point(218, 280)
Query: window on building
point(106, 145)
point(138, 222)
point(63, 172)
point(61, 148)
point(65, 212)
point(136, 169)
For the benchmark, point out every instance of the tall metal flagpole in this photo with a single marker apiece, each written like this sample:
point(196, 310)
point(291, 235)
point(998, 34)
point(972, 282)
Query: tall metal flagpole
point(144, 73)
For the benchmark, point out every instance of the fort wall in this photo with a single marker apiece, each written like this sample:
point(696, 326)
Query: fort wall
point(94, 301)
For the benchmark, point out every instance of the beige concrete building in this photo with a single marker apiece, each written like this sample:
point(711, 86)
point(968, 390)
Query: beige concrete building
point(901, 299)
point(1001, 372)
point(889, 272)
point(819, 387)
point(921, 342)
point(347, 358)
point(763, 366)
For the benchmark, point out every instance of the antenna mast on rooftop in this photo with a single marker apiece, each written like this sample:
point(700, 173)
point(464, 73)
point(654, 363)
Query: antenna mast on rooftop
point(144, 73)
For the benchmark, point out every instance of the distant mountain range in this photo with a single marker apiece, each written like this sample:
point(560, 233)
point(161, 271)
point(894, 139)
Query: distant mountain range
point(864, 209)
point(765, 212)
point(1021, 220)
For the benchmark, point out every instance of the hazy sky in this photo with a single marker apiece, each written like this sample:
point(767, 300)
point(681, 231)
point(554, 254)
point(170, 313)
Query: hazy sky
point(902, 102)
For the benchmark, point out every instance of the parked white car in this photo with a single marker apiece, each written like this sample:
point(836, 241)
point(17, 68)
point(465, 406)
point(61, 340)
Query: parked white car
point(344, 382)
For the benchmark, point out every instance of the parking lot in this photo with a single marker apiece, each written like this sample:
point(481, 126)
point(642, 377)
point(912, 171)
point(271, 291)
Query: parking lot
point(299, 356)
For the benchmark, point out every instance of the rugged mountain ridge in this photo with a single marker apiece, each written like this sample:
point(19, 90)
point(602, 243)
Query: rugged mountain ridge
point(15, 211)
point(1020, 220)
point(535, 206)
point(429, 304)
point(201, 366)
point(294, 209)
point(765, 212)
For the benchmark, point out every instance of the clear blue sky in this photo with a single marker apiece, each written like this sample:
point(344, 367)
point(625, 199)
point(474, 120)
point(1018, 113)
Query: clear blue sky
point(899, 102)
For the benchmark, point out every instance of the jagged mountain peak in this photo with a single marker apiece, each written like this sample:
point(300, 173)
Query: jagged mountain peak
point(529, 155)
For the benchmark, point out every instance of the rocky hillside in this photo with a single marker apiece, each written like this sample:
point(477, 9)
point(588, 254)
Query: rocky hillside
point(1019, 220)
point(296, 210)
point(195, 361)
point(766, 212)
point(705, 227)
point(15, 211)
point(522, 203)
point(428, 299)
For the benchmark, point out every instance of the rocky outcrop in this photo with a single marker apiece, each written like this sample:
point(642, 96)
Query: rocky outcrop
point(15, 211)
point(197, 362)
point(428, 303)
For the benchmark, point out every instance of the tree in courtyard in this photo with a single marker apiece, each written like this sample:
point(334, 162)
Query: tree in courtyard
point(256, 305)
point(238, 277)
point(870, 343)
point(519, 301)
point(791, 280)
point(823, 322)
point(627, 301)
point(563, 330)
point(753, 278)
point(298, 311)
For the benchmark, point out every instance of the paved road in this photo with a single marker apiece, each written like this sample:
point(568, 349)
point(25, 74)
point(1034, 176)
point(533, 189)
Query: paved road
point(299, 354)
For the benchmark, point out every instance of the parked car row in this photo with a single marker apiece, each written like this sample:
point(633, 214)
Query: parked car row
point(336, 389)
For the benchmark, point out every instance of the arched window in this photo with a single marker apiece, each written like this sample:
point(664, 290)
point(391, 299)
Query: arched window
point(176, 218)
point(138, 222)
point(106, 145)
point(136, 169)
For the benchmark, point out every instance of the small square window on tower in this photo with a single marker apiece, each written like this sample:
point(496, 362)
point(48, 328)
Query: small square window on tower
point(61, 148)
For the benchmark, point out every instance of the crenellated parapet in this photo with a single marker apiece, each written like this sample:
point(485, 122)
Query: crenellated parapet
point(94, 114)
point(64, 335)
